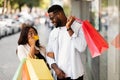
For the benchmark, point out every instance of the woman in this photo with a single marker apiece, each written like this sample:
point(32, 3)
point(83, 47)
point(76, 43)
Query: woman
point(28, 45)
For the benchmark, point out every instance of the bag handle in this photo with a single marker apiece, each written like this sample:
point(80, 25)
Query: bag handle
point(78, 20)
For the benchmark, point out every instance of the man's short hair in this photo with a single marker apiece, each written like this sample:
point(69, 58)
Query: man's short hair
point(55, 8)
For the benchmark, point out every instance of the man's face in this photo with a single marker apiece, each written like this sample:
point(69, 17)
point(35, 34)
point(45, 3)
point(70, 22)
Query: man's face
point(54, 17)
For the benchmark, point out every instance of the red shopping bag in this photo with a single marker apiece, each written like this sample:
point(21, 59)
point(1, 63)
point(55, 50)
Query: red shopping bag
point(96, 43)
point(116, 41)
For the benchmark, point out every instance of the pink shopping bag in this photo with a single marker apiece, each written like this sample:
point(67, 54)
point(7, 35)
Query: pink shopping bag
point(96, 43)
point(116, 41)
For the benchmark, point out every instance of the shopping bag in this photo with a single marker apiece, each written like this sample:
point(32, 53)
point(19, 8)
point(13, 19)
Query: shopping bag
point(25, 74)
point(18, 73)
point(38, 69)
point(116, 41)
point(96, 43)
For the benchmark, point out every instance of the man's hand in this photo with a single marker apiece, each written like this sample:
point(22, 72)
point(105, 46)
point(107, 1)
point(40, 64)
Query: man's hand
point(70, 21)
point(60, 74)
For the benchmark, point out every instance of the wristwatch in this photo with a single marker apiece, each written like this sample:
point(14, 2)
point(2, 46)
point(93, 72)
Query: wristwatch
point(69, 29)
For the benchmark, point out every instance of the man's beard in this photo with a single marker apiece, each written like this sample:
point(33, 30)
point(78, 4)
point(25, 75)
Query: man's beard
point(59, 24)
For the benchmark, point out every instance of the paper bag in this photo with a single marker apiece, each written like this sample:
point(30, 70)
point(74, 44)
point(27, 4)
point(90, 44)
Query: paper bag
point(25, 74)
point(96, 43)
point(38, 70)
point(18, 73)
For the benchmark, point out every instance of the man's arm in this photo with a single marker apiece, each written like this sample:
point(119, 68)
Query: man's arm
point(68, 25)
point(50, 54)
point(60, 74)
point(78, 37)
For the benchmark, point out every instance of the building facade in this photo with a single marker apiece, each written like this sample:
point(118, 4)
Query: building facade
point(105, 16)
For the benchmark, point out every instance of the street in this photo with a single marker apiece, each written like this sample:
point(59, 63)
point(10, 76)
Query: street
point(8, 57)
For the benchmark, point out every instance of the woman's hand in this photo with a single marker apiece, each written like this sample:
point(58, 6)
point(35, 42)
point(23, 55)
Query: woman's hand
point(31, 41)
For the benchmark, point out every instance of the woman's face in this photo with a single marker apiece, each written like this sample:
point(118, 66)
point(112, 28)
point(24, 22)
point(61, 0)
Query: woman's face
point(31, 33)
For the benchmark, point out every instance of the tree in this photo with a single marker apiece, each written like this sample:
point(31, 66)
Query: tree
point(104, 3)
point(4, 6)
point(44, 4)
point(17, 4)
point(1, 3)
point(29, 3)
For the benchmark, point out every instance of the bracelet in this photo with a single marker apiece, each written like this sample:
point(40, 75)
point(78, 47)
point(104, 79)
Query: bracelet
point(69, 29)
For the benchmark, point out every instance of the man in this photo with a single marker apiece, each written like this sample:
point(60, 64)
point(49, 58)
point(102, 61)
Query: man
point(65, 44)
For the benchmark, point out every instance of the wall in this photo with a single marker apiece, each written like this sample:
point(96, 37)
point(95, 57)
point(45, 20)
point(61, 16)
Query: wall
point(106, 66)
point(113, 30)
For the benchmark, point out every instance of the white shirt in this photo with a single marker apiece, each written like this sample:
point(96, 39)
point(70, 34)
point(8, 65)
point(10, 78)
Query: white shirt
point(23, 51)
point(67, 50)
